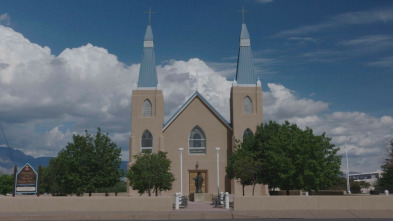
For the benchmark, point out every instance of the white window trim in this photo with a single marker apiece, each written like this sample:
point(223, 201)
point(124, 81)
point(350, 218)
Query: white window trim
point(147, 148)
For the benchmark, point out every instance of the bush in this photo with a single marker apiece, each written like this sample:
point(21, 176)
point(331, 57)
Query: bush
point(328, 192)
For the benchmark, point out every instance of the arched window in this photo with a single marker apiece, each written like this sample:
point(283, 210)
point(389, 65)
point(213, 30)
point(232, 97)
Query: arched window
point(247, 105)
point(147, 142)
point(247, 133)
point(197, 141)
point(146, 108)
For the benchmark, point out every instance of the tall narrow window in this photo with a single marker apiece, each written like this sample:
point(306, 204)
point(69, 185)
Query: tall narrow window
point(147, 108)
point(147, 142)
point(197, 141)
point(247, 105)
point(247, 133)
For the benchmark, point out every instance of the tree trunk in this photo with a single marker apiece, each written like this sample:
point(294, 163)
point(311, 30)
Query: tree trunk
point(253, 188)
point(156, 191)
point(243, 189)
point(287, 192)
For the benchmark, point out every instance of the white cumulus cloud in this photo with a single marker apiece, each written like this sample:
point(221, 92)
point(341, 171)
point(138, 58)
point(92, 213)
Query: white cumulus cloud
point(5, 19)
point(44, 99)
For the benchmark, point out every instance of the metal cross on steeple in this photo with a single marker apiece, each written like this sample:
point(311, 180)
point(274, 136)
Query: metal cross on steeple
point(242, 11)
point(150, 12)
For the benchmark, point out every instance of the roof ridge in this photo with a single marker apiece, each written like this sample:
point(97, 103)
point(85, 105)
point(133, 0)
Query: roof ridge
point(206, 102)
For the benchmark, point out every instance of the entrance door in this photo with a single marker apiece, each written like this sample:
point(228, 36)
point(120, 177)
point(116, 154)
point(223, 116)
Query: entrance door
point(193, 174)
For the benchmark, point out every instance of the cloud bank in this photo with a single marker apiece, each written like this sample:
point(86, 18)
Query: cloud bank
point(44, 99)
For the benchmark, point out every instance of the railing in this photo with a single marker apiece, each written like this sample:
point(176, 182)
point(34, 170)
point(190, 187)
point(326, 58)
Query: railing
point(221, 201)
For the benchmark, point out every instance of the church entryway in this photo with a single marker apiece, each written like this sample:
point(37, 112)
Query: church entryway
point(192, 178)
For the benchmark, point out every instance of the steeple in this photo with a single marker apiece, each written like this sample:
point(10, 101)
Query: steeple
point(245, 64)
point(147, 72)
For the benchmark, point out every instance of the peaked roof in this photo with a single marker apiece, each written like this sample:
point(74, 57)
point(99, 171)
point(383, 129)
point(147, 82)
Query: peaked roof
point(147, 72)
point(244, 32)
point(188, 102)
point(245, 65)
point(148, 34)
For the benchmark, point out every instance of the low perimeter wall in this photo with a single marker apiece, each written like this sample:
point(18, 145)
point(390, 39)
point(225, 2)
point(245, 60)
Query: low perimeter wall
point(312, 203)
point(101, 204)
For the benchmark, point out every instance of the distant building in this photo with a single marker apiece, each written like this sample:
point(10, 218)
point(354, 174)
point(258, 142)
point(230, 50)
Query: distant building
point(368, 177)
point(371, 178)
point(197, 126)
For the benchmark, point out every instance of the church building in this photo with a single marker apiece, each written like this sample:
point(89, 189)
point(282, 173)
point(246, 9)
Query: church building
point(197, 137)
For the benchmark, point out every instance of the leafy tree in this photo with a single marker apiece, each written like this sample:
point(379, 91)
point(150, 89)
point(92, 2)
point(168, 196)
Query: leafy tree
point(151, 171)
point(87, 163)
point(292, 158)
point(244, 166)
point(121, 186)
point(364, 184)
point(6, 183)
point(44, 184)
point(107, 162)
point(386, 180)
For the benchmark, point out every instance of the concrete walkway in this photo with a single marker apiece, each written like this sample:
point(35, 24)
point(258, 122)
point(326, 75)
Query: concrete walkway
point(198, 211)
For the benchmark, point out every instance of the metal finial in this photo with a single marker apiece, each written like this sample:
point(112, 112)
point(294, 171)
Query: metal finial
point(242, 11)
point(150, 12)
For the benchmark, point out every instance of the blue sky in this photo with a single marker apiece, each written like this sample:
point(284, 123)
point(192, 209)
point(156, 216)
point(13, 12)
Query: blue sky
point(323, 64)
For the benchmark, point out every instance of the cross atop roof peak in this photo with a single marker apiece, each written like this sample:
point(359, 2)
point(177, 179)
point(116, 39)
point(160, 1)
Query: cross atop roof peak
point(242, 11)
point(150, 12)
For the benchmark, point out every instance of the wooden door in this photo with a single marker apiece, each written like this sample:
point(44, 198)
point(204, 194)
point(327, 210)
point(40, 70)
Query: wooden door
point(192, 175)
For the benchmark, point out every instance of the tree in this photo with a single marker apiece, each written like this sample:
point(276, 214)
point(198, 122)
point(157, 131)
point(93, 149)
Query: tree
point(87, 163)
point(386, 180)
point(243, 165)
point(355, 186)
point(151, 171)
point(292, 158)
point(6, 183)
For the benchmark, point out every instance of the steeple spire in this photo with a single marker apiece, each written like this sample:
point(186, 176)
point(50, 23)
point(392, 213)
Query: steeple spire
point(245, 64)
point(147, 72)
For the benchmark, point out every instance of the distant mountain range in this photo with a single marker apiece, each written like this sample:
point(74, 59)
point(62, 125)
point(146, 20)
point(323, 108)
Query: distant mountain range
point(7, 165)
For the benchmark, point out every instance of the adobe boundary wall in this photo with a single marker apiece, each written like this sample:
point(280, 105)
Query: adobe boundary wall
point(84, 204)
point(249, 203)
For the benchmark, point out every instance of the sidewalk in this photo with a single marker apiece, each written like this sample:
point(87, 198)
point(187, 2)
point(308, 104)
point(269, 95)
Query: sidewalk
point(197, 211)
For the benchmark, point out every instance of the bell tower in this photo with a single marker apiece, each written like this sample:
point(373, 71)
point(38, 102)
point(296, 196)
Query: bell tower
point(246, 91)
point(245, 99)
point(147, 106)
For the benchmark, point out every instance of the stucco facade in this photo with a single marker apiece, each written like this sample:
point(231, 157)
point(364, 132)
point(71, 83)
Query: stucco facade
point(197, 126)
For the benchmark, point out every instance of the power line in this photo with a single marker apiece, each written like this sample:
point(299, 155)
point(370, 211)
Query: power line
point(6, 141)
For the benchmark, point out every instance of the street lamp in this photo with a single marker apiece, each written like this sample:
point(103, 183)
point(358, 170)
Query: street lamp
point(218, 172)
point(181, 170)
point(348, 188)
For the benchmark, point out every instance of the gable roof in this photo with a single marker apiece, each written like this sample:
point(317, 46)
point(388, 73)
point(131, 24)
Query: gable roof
point(188, 102)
